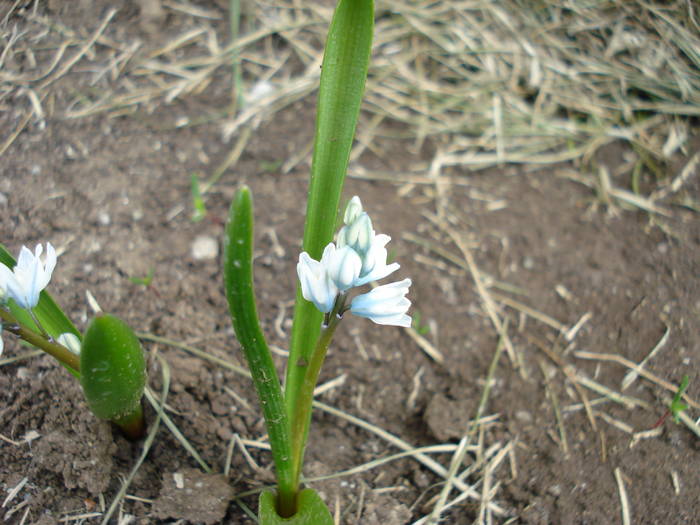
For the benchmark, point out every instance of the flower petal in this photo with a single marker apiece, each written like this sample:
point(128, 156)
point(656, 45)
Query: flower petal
point(385, 304)
point(374, 265)
point(316, 286)
point(352, 210)
point(343, 267)
point(70, 341)
point(29, 276)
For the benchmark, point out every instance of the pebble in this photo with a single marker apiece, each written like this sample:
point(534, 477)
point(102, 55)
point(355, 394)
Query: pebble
point(523, 416)
point(555, 490)
point(204, 248)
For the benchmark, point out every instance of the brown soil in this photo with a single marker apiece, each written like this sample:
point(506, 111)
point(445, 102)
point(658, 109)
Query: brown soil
point(113, 194)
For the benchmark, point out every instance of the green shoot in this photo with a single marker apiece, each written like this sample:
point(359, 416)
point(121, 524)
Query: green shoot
point(144, 281)
point(199, 209)
point(270, 166)
point(418, 326)
point(113, 373)
point(677, 406)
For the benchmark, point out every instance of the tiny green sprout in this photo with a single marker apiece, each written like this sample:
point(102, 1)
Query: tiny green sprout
point(200, 210)
point(677, 406)
point(270, 166)
point(113, 373)
point(420, 327)
point(144, 281)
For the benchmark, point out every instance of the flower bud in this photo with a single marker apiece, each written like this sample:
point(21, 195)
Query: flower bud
point(353, 209)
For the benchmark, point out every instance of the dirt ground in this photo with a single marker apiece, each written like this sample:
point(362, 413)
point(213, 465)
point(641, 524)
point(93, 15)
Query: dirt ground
point(576, 281)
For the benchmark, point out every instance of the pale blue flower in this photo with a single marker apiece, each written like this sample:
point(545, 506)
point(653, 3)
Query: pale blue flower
point(352, 210)
point(29, 277)
point(359, 258)
point(343, 266)
point(358, 234)
point(374, 266)
point(385, 304)
point(70, 341)
point(316, 285)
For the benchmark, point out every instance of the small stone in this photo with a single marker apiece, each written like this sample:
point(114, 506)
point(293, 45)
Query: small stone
point(204, 248)
point(528, 263)
point(523, 416)
point(104, 219)
point(3, 199)
point(71, 153)
point(555, 490)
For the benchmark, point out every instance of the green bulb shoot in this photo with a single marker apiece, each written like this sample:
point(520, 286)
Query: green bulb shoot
point(113, 373)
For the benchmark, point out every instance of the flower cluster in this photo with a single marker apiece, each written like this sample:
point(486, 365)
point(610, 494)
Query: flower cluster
point(28, 278)
point(358, 258)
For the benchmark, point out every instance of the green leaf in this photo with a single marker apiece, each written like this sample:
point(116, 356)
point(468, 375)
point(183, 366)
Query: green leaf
point(677, 406)
point(200, 210)
point(311, 510)
point(343, 76)
point(50, 315)
point(144, 281)
point(238, 282)
point(113, 370)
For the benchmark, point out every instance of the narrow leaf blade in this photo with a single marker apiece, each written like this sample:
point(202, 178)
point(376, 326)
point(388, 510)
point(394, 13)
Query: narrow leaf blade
point(238, 282)
point(343, 76)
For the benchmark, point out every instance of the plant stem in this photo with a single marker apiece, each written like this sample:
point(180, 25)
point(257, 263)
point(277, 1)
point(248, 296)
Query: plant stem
point(60, 352)
point(301, 412)
point(133, 425)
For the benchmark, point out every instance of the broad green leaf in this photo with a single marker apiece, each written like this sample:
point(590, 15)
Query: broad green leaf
point(311, 510)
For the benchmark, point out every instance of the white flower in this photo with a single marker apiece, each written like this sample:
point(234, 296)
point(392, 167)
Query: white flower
point(343, 266)
point(358, 234)
point(29, 277)
point(374, 266)
point(359, 258)
point(352, 210)
point(316, 285)
point(70, 341)
point(385, 304)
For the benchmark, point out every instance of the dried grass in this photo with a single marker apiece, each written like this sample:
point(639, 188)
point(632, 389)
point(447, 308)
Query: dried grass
point(491, 82)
